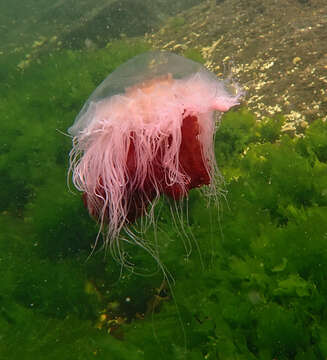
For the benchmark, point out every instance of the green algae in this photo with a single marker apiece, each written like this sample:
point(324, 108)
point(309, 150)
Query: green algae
point(253, 286)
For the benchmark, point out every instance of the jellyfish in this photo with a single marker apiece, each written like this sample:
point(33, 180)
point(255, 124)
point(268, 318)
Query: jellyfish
point(146, 131)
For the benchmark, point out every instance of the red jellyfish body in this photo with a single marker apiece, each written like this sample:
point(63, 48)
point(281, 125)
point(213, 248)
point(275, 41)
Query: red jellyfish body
point(147, 130)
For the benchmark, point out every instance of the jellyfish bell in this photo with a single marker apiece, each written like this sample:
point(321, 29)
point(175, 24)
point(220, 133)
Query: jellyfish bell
point(147, 130)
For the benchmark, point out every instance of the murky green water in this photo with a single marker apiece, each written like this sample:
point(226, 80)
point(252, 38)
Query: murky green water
point(245, 280)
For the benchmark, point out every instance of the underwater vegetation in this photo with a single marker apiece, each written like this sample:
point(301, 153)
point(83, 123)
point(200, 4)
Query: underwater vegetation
point(254, 285)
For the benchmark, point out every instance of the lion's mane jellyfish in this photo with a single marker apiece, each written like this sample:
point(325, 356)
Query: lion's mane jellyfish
point(147, 130)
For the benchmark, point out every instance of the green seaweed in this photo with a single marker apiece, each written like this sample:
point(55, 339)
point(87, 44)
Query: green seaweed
point(244, 281)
